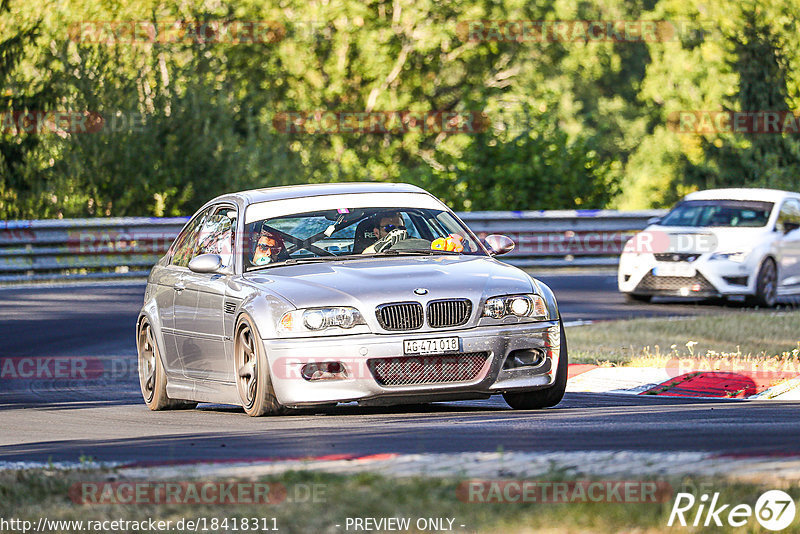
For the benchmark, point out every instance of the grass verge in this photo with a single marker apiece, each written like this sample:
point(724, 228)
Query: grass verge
point(31, 495)
point(729, 335)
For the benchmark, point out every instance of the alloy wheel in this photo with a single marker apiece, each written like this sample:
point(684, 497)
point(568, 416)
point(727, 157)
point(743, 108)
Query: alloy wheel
point(767, 278)
point(147, 361)
point(247, 365)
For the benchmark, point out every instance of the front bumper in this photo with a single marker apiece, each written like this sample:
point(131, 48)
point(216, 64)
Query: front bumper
point(288, 356)
point(712, 278)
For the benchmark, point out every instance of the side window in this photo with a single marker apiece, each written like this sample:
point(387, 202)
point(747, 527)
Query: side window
point(790, 213)
point(184, 244)
point(216, 235)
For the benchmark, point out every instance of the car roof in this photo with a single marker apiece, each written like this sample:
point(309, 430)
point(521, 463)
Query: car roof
point(312, 190)
point(743, 193)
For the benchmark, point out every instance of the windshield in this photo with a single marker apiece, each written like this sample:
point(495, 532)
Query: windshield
point(345, 233)
point(725, 213)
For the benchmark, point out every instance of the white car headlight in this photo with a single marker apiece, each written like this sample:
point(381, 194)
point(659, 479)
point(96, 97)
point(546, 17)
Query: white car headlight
point(738, 257)
point(515, 305)
point(318, 319)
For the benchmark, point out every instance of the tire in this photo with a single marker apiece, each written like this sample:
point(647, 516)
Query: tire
point(544, 398)
point(631, 297)
point(766, 284)
point(152, 377)
point(252, 372)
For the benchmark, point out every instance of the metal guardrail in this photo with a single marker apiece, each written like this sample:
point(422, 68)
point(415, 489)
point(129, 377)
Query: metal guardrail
point(564, 238)
point(83, 248)
point(126, 247)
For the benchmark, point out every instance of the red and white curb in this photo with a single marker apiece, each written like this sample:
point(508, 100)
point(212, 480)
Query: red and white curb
point(674, 382)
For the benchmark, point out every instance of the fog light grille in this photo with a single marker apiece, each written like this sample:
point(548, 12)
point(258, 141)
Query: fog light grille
point(736, 280)
point(414, 370)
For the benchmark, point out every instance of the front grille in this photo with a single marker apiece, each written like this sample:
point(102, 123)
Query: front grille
point(417, 370)
point(673, 284)
point(451, 312)
point(672, 256)
point(400, 316)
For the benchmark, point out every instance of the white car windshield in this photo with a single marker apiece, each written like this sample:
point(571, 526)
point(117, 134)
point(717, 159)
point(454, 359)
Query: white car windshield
point(345, 233)
point(720, 213)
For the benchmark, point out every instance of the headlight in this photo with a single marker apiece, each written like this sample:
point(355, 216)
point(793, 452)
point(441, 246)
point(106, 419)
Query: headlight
point(516, 305)
point(738, 257)
point(318, 319)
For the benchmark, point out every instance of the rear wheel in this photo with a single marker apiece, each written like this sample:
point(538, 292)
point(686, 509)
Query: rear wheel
point(766, 284)
point(252, 373)
point(544, 398)
point(152, 377)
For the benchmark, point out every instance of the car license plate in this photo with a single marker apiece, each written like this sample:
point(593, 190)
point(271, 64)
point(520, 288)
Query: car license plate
point(683, 269)
point(437, 345)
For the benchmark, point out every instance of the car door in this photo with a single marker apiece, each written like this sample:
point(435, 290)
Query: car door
point(169, 282)
point(200, 301)
point(788, 246)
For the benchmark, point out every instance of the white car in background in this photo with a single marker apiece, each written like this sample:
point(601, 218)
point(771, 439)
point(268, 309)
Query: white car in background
point(718, 243)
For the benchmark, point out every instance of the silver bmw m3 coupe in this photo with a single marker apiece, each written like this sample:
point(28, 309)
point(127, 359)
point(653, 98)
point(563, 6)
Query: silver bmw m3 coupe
point(288, 297)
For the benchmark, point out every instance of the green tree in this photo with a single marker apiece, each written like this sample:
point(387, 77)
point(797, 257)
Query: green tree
point(22, 186)
point(753, 158)
point(534, 166)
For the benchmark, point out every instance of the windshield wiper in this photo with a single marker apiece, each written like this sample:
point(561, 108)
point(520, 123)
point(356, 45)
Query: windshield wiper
point(316, 259)
point(311, 259)
point(390, 252)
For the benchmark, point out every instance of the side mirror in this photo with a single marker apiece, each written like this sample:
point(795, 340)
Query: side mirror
point(206, 263)
point(653, 220)
point(790, 226)
point(499, 244)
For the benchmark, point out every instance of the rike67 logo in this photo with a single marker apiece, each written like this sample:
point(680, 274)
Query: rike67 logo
point(774, 510)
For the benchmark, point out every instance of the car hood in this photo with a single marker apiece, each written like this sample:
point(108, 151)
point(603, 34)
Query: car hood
point(725, 239)
point(372, 281)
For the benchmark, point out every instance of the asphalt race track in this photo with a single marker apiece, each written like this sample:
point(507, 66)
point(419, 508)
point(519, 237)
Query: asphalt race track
point(55, 419)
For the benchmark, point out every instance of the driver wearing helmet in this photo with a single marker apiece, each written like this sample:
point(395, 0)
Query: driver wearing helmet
point(389, 230)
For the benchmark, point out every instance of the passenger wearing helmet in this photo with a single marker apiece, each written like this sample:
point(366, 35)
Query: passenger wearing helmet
point(269, 249)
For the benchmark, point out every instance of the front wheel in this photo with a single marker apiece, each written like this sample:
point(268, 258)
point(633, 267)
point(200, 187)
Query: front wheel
point(632, 297)
point(766, 284)
point(252, 373)
point(544, 398)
